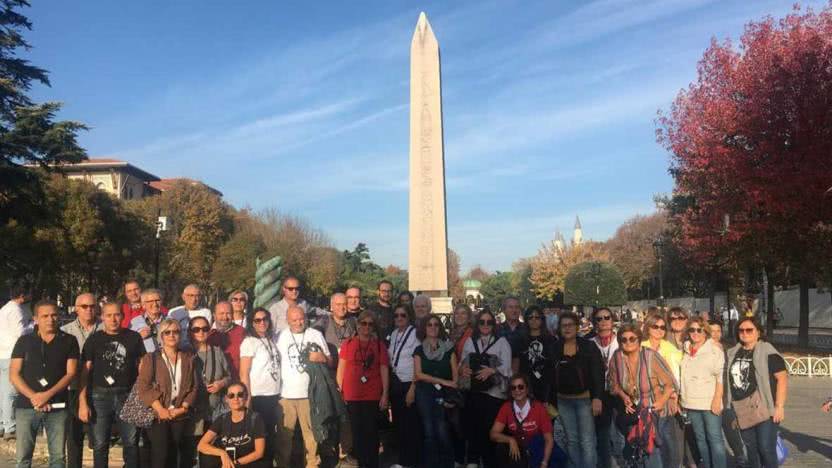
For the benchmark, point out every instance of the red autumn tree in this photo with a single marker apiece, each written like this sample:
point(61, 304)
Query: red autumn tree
point(752, 138)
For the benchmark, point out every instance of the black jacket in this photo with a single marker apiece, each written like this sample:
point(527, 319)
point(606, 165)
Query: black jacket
point(588, 359)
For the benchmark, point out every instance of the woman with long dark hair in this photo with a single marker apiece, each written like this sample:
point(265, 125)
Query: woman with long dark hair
point(535, 351)
point(757, 384)
point(404, 340)
point(486, 369)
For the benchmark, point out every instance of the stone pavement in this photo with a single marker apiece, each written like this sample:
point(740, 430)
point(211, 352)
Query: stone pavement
point(807, 430)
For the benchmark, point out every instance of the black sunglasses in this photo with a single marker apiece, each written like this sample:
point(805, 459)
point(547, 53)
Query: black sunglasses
point(518, 387)
point(232, 395)
point(486, 322)
point(602, 318)
point(200, 329)
point(261, 319)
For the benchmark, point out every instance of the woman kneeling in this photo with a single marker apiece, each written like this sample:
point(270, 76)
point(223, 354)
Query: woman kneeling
point(522, 430)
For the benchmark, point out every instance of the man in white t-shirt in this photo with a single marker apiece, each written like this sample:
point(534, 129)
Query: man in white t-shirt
point(191, 296)
point(293, 345)
point(13, 325)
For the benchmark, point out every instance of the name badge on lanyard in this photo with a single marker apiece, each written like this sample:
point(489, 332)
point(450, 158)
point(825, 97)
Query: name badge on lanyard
point(43, 382)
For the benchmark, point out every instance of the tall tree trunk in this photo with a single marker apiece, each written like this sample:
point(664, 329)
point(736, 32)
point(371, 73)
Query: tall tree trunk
point(803, 330)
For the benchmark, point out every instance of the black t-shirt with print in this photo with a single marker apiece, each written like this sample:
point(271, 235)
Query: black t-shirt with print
point(240, 435)
point(535, 355)
point(44, 364)
point(115, 358)
point(742, 377)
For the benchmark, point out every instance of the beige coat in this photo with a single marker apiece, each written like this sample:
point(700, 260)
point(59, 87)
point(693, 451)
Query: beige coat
point(700, 374)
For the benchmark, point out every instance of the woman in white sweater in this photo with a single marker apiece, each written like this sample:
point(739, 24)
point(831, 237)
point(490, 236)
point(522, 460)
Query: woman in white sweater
point(701, 372)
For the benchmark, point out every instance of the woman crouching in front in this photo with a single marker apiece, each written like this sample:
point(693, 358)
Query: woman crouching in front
point(235, 438)
point(522, 430)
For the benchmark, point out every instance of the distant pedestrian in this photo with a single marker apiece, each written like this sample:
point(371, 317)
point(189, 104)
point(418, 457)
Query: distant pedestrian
point(13, 323)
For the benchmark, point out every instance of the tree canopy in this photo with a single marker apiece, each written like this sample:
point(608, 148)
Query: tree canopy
point(594, 283)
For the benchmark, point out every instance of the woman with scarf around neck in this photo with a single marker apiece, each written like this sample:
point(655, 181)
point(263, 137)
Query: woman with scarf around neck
point(435, 369)
point(403, 342)
point(757, 374)
point(578, 384)
point(701, 383)
point(486, 369)
point(643, 383)
point(523, 430)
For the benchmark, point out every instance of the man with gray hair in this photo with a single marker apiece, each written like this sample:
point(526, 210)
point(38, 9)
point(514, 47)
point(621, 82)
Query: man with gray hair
point(513, 329)
point(191, 297)
point(147, 323)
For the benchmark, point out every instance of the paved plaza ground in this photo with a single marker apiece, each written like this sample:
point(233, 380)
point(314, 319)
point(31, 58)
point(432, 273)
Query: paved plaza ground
point(807, 430)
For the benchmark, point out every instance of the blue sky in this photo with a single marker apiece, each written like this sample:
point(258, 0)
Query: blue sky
point(548, 106)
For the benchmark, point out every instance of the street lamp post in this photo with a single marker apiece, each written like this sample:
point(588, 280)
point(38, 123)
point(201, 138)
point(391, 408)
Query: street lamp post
point(658, 244)
point(596, 274)
point(161, 225)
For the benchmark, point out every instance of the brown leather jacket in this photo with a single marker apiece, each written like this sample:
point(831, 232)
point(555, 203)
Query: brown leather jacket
point(158, 387)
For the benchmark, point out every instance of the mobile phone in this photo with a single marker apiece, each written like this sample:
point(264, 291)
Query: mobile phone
point(232, 453)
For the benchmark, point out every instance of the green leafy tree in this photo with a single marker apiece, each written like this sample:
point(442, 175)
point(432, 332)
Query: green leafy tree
point(594, 283)
point(235, 264)
point(28, 135)
point(497, 287)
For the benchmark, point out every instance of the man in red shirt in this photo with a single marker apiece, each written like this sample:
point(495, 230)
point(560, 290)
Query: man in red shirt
point(132, 306)
point(227, 335)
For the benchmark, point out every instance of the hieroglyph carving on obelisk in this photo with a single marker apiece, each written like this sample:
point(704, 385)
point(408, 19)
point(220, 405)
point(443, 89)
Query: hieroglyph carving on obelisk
point(428, 243)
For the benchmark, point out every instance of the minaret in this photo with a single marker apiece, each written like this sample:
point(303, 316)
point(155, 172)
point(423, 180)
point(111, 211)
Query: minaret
point(559, 244)
point(578, 236)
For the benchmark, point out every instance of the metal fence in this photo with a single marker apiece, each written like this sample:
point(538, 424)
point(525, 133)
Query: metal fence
point(810, 366)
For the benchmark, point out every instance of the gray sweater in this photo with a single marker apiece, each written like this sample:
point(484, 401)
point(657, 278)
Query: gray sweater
point(762, 350)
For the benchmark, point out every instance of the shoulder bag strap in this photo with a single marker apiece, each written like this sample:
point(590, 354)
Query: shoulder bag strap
point(401, 346)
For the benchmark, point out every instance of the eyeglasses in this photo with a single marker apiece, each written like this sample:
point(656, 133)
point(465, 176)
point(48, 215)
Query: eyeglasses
point(171, 332)
point(85, 306)
point(200, 329)
point(232, 395)
point(657, 327)
point(385, 290)
point(238, 299)
point(400, 315)
point(695, 330)
point(519, 387)
point(292, 288)
point(262, 319)
point(366, 323)
point(487, 323)
point(432, 324)
point(602, 318)
point(746, 330)
point(535, 317)
point(628, 339)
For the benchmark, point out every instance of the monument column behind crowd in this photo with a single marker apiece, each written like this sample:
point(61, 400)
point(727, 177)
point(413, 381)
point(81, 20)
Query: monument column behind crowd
point(428, 243)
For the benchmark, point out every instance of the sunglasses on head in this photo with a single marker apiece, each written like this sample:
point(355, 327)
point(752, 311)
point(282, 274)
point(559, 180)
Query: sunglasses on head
point(628, 339)
point(232, 395)
point(518, 387)
point(261, 319)
point(170, 332)
point(200, 329)
point(486, 322)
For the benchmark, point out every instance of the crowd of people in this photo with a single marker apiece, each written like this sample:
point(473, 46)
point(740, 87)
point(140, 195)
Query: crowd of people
point(294, 384)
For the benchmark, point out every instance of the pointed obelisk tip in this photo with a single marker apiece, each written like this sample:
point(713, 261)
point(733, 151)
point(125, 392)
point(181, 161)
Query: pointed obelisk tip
point(422, 24)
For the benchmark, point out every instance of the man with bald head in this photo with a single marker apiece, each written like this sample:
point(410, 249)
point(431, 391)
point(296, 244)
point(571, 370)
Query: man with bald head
point(191, 298)
point(340, 326)
point(291, 289)
point(297, 346)
point(227, 335)
point(85, 324)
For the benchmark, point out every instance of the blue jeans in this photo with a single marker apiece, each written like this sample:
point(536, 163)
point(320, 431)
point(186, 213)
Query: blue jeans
point(610, 441)
point(669, 433)
point(106, 405)
point(7, 395)
point(438, 447)
point(30, 422)
point(761, 444)
point(707, 427)
point(576, 415)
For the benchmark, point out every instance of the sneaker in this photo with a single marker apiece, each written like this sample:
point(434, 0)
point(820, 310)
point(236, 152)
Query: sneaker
point(9, 436)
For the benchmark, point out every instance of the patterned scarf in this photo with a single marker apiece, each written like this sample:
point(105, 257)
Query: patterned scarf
point(646, 360)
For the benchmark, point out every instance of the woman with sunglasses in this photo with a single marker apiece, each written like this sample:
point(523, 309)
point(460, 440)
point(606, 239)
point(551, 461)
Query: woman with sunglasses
point(522, 430)
point(260, 372)
point(670, 432)
point(643, 382)
point(486, 369)
point(403, 341)
point(171, 392)
point(363, 377)
point(237, 438)
point(701, 384)
point(213, 375)
point(435, 370)
point(534, 359)
point(757, 376)
point(578, 383)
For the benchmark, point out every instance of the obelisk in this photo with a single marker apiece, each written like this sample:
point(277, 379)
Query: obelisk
point(428, 243)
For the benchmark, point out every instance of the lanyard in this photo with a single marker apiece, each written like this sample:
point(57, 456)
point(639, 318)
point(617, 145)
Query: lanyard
point(267, 343)
point(301, 367)
point(172, 372)
point(397, 351)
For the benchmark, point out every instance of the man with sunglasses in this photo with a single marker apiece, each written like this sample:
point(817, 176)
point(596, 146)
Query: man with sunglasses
point(291, 297)
point(85, 324)
point(110, 365)
point(609, 441)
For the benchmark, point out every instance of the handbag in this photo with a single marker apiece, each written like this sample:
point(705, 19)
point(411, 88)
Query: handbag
point(134, 411)
point(751, 411)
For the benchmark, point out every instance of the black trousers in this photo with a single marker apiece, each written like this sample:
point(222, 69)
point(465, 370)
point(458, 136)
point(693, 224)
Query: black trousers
point(268, 407)
point(407, 423)
point(481, 412)
point(75, 430)
point(364, 423)
point(172, 444)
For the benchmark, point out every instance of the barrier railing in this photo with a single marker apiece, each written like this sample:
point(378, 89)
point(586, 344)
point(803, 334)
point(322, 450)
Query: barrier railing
point(810, 366)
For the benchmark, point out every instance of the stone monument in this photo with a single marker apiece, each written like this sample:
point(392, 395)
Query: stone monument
point(428, 243)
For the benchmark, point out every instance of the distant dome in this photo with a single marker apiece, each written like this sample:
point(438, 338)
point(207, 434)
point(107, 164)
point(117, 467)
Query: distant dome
point(472, 284)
